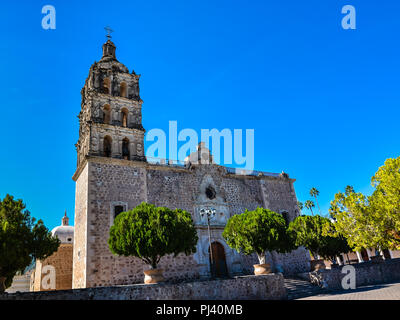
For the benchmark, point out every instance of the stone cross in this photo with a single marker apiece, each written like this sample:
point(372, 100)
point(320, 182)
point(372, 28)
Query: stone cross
point(109, 31)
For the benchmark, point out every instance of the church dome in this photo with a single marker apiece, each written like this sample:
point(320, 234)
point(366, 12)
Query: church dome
point(65, 232)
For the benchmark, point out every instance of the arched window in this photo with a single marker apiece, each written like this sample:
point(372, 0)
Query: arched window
point(106, 86)
point(210, 193)
point(107, 114)
point(125, 149)
point(124, 116)
point(123, 90)
point(107, 146)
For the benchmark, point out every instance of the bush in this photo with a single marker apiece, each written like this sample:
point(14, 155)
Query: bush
point(258, 231)
point(149, 233)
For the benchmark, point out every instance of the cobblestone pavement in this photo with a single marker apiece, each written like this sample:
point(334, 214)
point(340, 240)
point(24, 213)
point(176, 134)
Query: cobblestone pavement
point(375, 292)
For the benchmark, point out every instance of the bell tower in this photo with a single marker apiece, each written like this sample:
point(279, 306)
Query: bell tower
point(110, 120)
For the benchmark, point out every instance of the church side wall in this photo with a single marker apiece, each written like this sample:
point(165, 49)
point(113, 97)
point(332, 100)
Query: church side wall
point(279, 195)
point(111, 185)
point(80, 232)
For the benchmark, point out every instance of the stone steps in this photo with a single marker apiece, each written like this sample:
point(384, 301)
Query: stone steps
point(297, 288)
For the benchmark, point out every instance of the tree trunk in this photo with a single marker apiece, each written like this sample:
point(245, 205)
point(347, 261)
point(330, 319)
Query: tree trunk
point(274, 264)
point(153, 263)
point(261, 257)
point(319, 209)
point(2, 284)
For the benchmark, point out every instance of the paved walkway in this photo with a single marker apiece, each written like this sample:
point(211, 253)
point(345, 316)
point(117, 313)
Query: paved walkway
point(375, 292)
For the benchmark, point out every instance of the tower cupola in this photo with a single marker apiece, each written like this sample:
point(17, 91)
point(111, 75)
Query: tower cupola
point(109, 50)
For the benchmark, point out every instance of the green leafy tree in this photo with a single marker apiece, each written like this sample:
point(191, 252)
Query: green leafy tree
point(257, 232)
point(22, 239)
point(309, 205)
point(317, 234)
point(371, 221)
point(315, 193)
point(352, 214)
point(149, 233)
point(334, 242)
point(385, 204)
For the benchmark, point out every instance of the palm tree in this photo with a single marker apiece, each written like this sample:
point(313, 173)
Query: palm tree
point(315, 193)
point(300, 205)
point(309, 205)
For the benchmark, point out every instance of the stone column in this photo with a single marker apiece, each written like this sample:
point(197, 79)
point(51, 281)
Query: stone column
point(119, 148)
point(101, 146)
point(131, 150)
point(114, 148)
point(359, 256)
point(369, 254)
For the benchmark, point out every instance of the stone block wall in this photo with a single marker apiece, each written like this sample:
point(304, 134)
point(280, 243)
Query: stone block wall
point(266, 287)
point(62, 263)
point(367, 273)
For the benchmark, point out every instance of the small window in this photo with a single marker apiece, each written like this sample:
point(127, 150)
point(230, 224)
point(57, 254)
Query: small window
point(106, 86)
point(118, 210)
point(69, 239)
point(107, 114)
point(124, 120)
point(107, 146)
point(125, 149)
point(123, 89)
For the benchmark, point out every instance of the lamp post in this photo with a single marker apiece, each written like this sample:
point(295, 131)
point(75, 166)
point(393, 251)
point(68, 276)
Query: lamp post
point(210, 213)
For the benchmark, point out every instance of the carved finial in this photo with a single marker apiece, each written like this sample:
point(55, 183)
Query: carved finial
point(65, 219)
point(284, 175)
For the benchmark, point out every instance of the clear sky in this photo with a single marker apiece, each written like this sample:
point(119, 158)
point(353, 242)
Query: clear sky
point(323, 101)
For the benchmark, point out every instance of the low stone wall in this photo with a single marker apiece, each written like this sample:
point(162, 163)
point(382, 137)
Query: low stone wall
point(367, 273)
point(265, 287)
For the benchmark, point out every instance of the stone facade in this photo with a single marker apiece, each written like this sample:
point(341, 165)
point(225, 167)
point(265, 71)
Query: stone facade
point(267, 287)
point(118, 179)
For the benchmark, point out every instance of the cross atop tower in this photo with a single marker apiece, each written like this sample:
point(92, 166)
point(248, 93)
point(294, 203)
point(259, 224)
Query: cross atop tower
point(109, 31)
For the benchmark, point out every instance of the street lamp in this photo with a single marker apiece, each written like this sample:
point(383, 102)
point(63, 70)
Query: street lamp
point(210, 213)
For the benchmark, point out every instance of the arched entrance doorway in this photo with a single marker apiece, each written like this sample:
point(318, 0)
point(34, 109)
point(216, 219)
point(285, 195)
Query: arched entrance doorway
point(218, 265)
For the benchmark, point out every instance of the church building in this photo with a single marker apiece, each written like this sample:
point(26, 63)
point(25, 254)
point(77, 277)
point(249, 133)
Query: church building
point(113, 176)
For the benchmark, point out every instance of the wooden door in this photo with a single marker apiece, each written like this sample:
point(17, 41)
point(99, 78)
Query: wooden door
point(218, 265)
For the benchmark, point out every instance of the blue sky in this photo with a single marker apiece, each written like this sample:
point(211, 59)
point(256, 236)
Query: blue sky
point(323, 101)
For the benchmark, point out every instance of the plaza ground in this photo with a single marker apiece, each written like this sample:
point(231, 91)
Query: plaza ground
point(374, 292)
